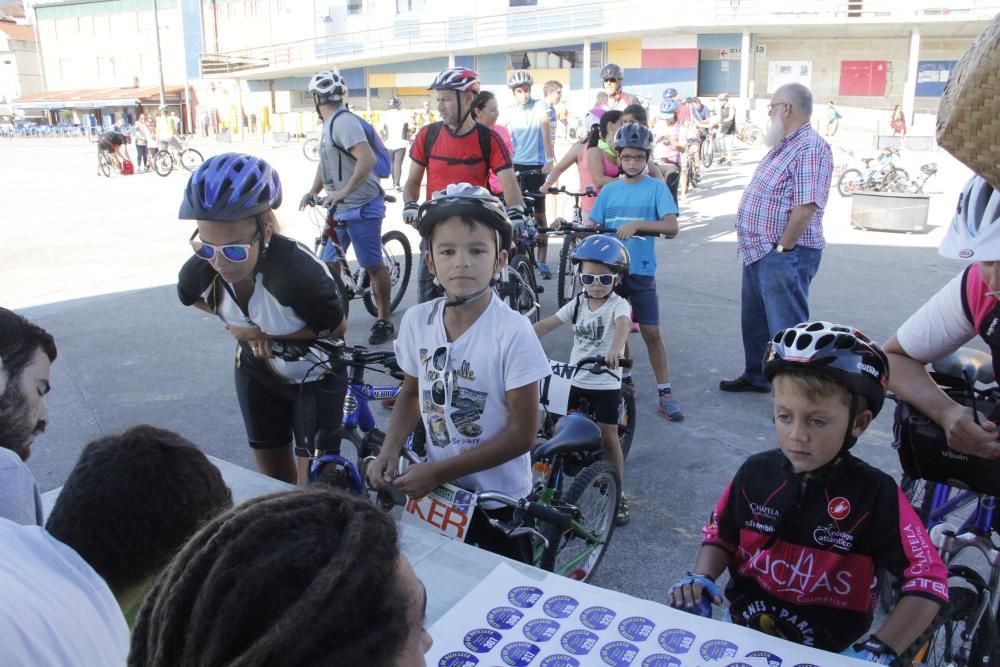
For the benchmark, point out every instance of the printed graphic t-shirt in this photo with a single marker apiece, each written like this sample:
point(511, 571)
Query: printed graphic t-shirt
point(499, 352)
point(593, 334)
point(620, 202)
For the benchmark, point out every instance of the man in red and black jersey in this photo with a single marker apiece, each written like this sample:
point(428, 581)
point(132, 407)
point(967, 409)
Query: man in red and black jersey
point(457, 149)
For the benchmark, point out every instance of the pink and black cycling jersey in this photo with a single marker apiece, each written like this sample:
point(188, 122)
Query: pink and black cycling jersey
point(803, 552)
point(983, 311)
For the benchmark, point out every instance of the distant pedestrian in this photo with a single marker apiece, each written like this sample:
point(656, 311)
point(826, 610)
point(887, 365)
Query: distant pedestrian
point(143, 138)
point(898, 122)
point(396, 133)
point(779, 229)
point(832, 119)
point(612, 77)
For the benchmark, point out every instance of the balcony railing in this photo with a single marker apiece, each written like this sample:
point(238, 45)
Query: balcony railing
point(607, 19)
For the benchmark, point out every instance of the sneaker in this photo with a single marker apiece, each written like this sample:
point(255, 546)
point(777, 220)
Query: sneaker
point(544, 271)
point(382, 331)
point(670, 408)
point(623, 515)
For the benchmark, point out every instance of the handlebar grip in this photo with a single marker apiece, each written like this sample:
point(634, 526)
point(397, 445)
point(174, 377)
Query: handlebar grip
point(625, 363)
point(551, 515)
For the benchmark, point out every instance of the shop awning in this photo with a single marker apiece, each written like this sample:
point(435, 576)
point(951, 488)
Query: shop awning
point(99, 98)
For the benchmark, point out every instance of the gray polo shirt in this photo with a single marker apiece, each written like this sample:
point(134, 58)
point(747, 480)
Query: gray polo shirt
point(337, 166)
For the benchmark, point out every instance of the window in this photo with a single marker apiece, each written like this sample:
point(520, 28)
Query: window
point(355, 6)
point(408, 6)
point(66, 68)
point(523, 3)
point(105, 66)
point(565, 57)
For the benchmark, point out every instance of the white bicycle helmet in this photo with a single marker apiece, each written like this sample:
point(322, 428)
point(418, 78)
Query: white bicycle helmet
point(329, 86)
point(520, 78)
point(459, 79)
point(975, 230)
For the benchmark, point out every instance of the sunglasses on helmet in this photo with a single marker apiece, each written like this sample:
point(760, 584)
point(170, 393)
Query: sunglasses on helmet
point(605, 279)
point(233, 252)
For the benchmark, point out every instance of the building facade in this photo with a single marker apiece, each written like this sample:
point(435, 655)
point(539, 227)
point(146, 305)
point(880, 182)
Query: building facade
point(19, 71)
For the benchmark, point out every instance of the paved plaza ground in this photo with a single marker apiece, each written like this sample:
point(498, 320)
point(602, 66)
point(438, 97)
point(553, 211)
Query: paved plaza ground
point(94, 261)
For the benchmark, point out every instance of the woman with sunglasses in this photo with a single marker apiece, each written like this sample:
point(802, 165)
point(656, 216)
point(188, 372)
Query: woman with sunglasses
point(263, 285)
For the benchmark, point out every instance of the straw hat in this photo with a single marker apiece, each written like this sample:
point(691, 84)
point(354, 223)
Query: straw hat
point(968, 122)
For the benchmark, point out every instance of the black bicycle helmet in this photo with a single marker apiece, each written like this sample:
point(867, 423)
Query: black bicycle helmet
point(843, 353)
point(634, 135)
point(394, 102)
point(230, 187)
point(602, 249)
point(469, 201)
point(612, 71)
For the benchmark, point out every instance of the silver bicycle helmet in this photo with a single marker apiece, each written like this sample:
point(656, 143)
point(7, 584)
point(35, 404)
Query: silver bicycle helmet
point(520, 78)
point(468, 201)
point(329, 86)
point(612, 71)
point(975, 230)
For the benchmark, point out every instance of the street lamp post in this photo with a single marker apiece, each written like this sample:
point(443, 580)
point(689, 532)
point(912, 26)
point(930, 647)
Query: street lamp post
point(159, 54)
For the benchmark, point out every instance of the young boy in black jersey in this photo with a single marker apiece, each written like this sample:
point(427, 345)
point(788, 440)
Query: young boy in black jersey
point(803, 528)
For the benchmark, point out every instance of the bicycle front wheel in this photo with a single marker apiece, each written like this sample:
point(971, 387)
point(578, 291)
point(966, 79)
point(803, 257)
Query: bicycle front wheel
point(310, 148)
point(104, 164)
point(707, 152)
point(163, 163)
point(191, 159)
point(525, 297)
point(956, 640)
point(851, 181)
point(566, 281)
point(398, 260)
point(577, 551)
point(626, 418)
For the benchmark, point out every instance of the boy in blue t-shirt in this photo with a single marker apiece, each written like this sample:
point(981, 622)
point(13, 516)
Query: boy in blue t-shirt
point(636, 203)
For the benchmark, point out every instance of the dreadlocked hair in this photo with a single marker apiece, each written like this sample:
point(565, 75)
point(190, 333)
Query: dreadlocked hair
point(296, 579)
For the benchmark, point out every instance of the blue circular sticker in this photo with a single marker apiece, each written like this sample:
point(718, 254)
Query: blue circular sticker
point(772, 659)
point(524, 597)
point(806, 664)
point(560, 660)
point(481, 640)
point(739, 664)
point(676, 640)
point(560, 606)
point(519, 654)
point(718, 649)
point(540, 629)
point(636, 628)
point(458, 659)
point(597, 618)
point(503, 618)
point(619, 654)
point(579, 642)
point(661, 660)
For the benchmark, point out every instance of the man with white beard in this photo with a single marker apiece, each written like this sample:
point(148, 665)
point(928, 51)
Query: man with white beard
point(779, 229)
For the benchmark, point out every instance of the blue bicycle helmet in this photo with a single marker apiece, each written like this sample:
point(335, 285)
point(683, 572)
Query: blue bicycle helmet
point(634, 135)
point(602, 249)
point(230, 187)
point(670, 93)
point(668, 107)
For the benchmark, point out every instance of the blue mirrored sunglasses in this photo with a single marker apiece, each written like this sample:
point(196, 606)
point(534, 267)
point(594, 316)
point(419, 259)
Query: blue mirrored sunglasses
point(233, 252)
point(605, 279)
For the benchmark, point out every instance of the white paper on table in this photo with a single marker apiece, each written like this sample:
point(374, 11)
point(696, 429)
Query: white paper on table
point(510, 619)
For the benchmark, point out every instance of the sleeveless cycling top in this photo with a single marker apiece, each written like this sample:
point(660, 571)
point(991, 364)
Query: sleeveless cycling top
point(610, 169)
point(983, 310)
point(525, 127)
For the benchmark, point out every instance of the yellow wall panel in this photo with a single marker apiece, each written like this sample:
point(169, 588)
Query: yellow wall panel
point(412, 92)
point(625, 52)
point(381, 79)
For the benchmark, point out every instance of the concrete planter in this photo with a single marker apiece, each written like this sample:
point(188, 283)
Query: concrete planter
point(890, 212)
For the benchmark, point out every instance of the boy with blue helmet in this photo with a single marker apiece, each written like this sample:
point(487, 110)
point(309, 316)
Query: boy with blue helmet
point(601, 320)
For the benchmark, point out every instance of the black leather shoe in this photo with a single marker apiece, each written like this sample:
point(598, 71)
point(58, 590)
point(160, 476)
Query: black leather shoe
point(742, 383)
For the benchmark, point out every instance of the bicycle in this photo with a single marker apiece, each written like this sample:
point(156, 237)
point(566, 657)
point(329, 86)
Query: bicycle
point(189, 158)
point(945, 486)
point(693, 170)
point(710, 146)
point(750, 134)
point(310, 149)
point(104, 164)
point(396, 257)
point(885, 176)
point(915, 186)
point(328, 466)
point(567, 290)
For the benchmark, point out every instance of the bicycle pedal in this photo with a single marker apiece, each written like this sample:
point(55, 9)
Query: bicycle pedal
point(540, 289)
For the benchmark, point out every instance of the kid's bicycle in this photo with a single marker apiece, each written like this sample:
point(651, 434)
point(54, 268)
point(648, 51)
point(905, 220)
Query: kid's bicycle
point(566, 283)
point(165, 160)
point(396, 257)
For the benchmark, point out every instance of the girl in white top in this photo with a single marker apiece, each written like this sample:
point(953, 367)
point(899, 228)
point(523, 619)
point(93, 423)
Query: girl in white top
point(601, 321)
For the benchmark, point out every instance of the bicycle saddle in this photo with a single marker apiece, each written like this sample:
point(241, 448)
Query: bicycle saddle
point(967, 363)
point(867, 160)
point(930, 168)
point(573, 433)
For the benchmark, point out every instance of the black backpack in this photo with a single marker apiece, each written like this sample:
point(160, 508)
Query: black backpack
point(485, 146)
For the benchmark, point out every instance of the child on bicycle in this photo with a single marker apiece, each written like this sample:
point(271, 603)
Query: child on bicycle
point(601, 321)
point(803, 528)
point(471, 364)
point(637, 202)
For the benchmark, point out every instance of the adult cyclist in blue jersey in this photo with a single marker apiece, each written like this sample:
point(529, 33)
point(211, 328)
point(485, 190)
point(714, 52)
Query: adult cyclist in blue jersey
point(263, 285)
point(534, 155)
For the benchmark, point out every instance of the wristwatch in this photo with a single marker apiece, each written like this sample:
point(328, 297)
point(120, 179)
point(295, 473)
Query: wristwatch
point(780, 248)
point(876, 647)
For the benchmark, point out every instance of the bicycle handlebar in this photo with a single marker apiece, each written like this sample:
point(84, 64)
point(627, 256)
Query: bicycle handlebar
point(556, 517)
point(295, 350)
point(582, 229)
point(316, 200)
point(596, 362)
point(561, 190)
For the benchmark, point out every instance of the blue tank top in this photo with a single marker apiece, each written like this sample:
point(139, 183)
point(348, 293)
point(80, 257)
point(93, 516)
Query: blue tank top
point(526, 132)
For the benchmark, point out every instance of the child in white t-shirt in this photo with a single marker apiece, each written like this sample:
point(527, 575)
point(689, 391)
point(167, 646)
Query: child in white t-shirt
point(470, 363)
point(601, 321)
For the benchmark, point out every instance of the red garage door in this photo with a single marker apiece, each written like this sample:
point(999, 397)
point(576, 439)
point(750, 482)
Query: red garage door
point(863, 78)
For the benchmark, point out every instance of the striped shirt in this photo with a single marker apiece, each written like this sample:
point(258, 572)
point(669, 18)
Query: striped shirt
point(794, 173)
